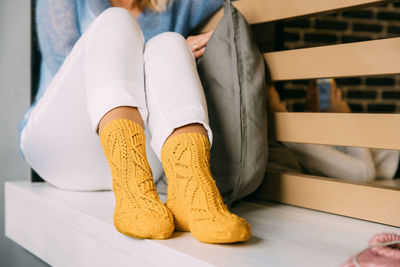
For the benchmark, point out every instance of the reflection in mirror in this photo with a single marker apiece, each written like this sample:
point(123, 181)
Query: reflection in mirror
point(376, 166)
point(363, 94)
point(367, 94)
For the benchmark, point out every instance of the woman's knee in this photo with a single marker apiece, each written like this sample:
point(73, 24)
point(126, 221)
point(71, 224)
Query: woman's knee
point(116, 22)
point(115, 15)
point(167, 37)
point(167, 42)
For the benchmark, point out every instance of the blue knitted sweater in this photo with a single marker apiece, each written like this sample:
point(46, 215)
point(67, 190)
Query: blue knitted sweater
point(60, 24)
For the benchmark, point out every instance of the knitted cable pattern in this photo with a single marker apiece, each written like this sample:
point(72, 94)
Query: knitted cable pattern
point(193, 197)
point(139, 211)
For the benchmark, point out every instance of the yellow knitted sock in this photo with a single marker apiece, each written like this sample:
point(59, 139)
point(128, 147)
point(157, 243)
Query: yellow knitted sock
point(193, 197)
point(139, 211)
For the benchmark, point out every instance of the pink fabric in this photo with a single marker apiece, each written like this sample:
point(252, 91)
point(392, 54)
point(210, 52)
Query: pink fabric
point(388, 256)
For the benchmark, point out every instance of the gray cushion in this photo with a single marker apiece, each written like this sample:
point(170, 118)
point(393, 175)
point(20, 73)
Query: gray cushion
point(233, 76)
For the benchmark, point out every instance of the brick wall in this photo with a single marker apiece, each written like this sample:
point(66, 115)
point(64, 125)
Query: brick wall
point(364, 94)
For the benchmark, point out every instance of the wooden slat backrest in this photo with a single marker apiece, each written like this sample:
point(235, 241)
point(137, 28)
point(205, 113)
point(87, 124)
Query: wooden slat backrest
point(377, 57)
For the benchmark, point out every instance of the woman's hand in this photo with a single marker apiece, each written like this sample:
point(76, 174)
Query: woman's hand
point(336, 103)
point(198, 43)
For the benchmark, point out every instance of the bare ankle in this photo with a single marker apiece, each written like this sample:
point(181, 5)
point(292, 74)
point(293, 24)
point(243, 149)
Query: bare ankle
point(190, 128)
point(125, 112)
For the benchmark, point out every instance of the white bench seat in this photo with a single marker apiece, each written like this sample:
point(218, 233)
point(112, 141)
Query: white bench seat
point(66, 228)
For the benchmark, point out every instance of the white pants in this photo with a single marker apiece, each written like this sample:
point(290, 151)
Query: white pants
point(110, 66)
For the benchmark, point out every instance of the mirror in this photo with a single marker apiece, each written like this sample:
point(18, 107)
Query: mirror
point(363, 94)
point(366, 94)
point(373, 94)
point(354, 163)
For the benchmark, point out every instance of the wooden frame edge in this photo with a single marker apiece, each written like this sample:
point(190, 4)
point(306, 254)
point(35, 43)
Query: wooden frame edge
point(376, 57)
point(369, 202)
point(262, 11)
point(380, 131)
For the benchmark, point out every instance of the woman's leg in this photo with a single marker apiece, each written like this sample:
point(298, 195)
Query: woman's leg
point(129, 113)
point(139, 211)
point(104, 72)
point(175, 98)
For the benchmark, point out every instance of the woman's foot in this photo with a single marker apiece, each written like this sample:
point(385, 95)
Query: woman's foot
point(193, 197)
point(139, 211)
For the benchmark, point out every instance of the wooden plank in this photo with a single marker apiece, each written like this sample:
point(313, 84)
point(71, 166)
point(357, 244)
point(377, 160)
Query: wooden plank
point(75, 228)
point(260, 11)
point(52, 224)
point(376, 57)
point(347, 129)
point(57, 244)
point(362, 201)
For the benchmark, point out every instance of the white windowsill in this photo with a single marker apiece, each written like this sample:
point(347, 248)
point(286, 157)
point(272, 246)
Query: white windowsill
point(66, 228)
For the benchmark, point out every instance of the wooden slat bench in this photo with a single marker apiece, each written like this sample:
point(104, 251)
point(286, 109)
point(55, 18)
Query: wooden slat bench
point(54, 225)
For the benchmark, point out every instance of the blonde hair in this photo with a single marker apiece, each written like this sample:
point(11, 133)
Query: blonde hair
point(156, 5)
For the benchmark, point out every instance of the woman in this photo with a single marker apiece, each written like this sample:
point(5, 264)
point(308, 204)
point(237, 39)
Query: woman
point(112, 69)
